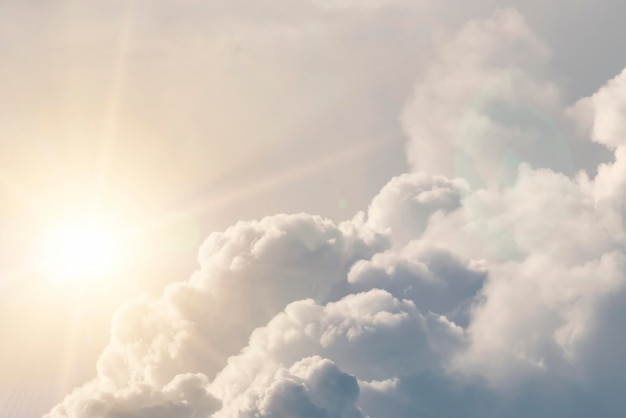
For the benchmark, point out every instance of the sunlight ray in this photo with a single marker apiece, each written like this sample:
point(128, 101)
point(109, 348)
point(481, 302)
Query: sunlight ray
point(270, 182)
point(111, 122)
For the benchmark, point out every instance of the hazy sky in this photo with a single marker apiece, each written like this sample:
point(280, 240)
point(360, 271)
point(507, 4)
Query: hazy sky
point(329, 208)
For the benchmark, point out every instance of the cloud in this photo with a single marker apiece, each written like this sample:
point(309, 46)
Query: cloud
point(371, 336)
point(483, 105)
point(185, 396)
point(403, 207)
point(247, 275)
point(488, 282)
point(432, 278)
point(311, 387)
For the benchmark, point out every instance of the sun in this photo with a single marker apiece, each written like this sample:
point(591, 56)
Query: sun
point(78, 250)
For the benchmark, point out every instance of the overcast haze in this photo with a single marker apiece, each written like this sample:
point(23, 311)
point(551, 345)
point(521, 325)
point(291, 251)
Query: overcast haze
point(330, 208)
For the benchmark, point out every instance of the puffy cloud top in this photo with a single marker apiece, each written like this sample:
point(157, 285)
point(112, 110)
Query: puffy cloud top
point(488, 282)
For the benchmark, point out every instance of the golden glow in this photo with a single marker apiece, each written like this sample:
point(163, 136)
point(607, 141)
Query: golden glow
point(80, 250)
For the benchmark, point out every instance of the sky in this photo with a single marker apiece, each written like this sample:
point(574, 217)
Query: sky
point(312, 208)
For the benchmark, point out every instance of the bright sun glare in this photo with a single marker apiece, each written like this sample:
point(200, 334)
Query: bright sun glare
point(80, 250)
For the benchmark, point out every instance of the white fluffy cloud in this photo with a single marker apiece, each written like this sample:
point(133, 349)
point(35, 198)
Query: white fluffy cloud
point(483, 106)
point(311, 387)
point(247, 275)
point(186, 396)
point(489, 282)
point(404, 205)
point(371, 336)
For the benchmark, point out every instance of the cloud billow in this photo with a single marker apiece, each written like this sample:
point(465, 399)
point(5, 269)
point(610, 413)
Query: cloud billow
point(488, 282)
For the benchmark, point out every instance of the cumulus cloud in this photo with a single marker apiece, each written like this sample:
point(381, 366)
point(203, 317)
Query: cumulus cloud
point(247, 275)
point(402, 208)
point(484, 106)
point(432, 278)
point(312, 387)
point(488, 282)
